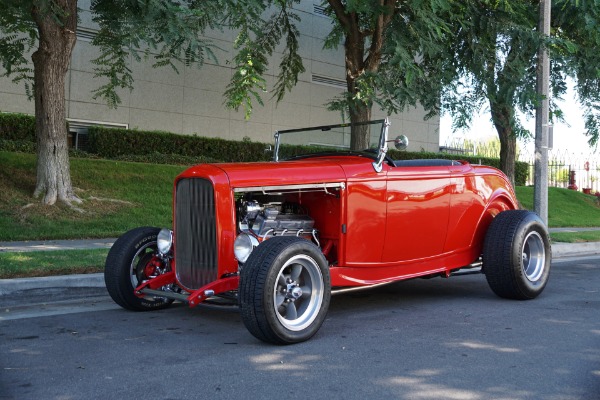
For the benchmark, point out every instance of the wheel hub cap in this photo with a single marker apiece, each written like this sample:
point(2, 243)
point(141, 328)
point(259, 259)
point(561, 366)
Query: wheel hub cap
point(296, 292)
point(533, 256)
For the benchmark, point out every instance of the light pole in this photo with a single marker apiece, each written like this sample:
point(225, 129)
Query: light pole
point(540, 192)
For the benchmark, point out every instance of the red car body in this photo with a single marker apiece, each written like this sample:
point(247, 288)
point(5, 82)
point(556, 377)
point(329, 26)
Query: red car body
point(400, 223)
point(278, 237)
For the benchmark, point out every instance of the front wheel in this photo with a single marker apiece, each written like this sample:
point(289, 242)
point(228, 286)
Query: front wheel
point(130, 261)
point(517, 255)
point(284, 290)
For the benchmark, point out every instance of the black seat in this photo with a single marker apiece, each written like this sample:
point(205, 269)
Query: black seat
point(436, 162)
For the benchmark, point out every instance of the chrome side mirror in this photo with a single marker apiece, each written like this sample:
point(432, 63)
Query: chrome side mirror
point(401, 142)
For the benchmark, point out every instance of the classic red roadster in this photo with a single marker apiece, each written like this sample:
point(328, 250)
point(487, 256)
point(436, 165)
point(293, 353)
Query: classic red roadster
point(278, 238)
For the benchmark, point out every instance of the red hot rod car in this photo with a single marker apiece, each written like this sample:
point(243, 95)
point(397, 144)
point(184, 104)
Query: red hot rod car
point(277, 238)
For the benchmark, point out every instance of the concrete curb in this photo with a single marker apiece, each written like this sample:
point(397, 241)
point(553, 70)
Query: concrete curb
point(8, 286)
point(50, 245)
point(562, 250)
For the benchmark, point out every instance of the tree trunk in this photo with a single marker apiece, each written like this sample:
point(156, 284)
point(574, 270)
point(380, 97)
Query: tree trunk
point(502, 117)
point(360, 135)
point(508, 154)
point(360, 60)
point(51, 62)
point(359, 110)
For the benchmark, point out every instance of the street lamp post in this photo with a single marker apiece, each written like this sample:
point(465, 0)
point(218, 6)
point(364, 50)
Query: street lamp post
point(540, 197)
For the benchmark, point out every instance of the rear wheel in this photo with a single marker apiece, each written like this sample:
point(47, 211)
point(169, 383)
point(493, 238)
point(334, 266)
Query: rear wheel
point(130, 261)
point(285, 290)
point(517, 255)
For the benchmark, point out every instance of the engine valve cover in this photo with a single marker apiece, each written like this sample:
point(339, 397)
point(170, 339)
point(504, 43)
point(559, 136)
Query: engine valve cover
point(273, 226)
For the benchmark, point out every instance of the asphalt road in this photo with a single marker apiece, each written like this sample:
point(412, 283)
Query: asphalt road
point(421, 339)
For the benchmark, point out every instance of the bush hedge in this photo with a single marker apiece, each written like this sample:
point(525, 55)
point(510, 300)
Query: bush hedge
point(17, 146)
point(113, 143)
point(17, 133)
point(116, 143)
point(19, 127)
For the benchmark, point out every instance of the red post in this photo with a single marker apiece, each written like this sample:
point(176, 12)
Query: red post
point(572, 184)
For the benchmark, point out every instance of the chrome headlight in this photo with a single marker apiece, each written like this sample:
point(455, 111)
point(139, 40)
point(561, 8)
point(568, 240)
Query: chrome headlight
point(243, 246)
point(164, 241)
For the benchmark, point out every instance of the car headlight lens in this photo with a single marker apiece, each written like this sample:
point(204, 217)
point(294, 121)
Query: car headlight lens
point(243, 246)
point(164, 241)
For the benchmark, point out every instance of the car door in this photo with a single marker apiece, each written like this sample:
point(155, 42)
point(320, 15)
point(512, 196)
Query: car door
point(418, 207)
point(364, 226)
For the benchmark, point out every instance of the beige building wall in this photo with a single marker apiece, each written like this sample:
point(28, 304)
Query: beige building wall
point(191, 102)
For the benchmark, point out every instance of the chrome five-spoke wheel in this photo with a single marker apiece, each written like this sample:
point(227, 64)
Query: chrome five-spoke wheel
point(298, 292)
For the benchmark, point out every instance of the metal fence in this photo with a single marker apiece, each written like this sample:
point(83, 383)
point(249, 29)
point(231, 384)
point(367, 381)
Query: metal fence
point(569, 170)
point(578, 171)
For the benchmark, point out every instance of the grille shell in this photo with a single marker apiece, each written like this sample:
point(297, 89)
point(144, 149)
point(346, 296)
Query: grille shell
point(196, 252)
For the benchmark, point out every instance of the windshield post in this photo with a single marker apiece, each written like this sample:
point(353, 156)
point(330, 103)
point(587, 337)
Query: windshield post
point(276, 151)
point(377, 164)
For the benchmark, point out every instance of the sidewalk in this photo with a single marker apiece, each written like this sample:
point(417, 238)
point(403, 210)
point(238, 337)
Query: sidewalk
point(7, 286)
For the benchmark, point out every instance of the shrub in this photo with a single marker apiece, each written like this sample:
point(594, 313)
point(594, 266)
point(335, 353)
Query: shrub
point(19, 146)
point(17, 133)
point(171, 159)
point(18, 127)
point(154, 145)
point(113, 143)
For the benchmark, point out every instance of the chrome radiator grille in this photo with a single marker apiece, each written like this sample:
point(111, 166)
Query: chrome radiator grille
point(195, 233)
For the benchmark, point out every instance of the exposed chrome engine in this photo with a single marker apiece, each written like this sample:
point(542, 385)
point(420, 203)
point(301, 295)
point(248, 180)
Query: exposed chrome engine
point(265, 216)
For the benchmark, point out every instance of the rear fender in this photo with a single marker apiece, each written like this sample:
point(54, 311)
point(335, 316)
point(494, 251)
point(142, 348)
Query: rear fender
point(500, 202)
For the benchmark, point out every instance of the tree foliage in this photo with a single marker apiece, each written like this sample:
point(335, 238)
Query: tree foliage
point(171, 33)
point(447, 55)
point(574, 52)
point(162, 31)
point(489, 62)
point(383, 43)
point(17, 37)
point(461, 57)
point(168, 33)
point(254, 46)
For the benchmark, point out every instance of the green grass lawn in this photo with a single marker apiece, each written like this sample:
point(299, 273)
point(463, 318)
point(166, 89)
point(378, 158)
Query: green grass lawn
point(47, 263)
point(566, 208)
point(575, 237)
point(118, 196)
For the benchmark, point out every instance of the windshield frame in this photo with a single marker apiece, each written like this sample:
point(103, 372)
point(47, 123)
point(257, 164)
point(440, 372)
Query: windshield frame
point(381, 148)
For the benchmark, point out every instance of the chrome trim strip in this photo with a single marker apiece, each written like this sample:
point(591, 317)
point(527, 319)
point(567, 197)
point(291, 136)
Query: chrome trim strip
point(323, 186)
point(358, 288)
